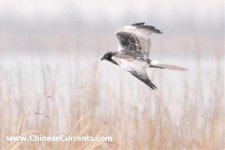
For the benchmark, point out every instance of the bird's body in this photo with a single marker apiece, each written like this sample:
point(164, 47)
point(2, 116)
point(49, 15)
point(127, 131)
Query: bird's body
point(133, 52)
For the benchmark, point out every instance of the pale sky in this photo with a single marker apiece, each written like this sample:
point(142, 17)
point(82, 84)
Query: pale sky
point(172, 17)
point(113, 9)
point(203, 16)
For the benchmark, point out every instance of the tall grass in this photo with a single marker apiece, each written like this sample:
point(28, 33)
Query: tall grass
point(74, 94)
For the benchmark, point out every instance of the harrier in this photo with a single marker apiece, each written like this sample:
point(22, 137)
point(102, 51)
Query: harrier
point(133, 52)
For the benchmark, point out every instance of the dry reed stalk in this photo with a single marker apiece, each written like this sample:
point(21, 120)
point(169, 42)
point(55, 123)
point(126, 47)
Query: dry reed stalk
point(21, 123)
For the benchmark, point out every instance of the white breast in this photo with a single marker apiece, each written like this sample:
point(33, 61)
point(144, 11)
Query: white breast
point(131, 65)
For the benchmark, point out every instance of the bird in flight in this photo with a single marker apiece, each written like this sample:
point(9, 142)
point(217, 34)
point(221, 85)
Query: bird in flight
point(134, 45)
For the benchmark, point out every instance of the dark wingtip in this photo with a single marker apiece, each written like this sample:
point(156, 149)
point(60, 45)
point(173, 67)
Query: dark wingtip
point(157, 31)
point(142, 25)
point(152, 28)
point(138, 24)
point(152, 86)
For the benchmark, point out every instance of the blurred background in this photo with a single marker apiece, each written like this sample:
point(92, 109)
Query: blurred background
point(80, 21)
point(52, 81)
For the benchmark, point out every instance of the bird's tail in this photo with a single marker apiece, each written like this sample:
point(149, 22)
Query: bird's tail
point(161, 65)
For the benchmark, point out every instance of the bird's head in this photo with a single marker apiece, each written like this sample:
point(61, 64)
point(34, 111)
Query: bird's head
point(107, 56)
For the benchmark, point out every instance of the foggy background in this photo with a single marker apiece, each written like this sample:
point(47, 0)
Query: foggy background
point(78, 25)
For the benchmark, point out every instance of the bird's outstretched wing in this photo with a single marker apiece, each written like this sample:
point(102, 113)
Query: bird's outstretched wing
point(136, 37)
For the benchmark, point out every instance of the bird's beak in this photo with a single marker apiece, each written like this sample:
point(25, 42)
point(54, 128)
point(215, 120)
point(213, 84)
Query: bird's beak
point(102, 58)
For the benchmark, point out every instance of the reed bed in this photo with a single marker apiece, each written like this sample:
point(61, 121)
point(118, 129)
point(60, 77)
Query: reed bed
point(75, 94)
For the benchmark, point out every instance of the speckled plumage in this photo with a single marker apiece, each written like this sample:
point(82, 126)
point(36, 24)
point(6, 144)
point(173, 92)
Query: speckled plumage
point(134, 45)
